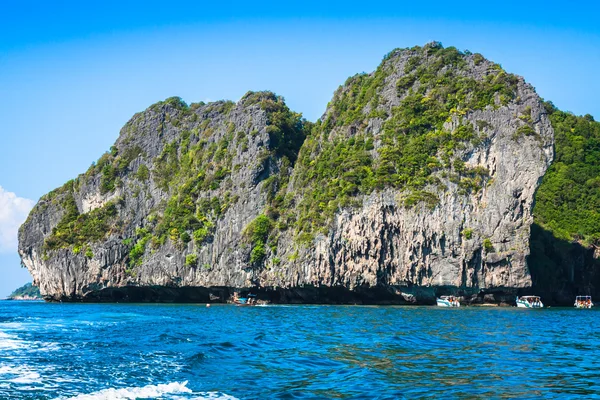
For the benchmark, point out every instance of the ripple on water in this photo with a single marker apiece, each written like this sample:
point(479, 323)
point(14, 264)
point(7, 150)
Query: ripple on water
point(174, 338)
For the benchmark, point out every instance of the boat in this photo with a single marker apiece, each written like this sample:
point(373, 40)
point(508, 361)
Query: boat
point(529, 302)
point(447, 301)
point(244, 301)
point(583, 302)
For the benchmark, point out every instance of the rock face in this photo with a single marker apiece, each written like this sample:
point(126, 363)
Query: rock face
point(418, 180)
point(174, 169)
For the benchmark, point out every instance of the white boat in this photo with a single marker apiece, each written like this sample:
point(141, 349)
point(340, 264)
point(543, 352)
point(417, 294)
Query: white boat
point(447, 301)
point(583, 302)
point(529, 302)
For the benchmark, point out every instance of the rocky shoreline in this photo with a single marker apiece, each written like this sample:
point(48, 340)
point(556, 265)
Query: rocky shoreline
point(417, 296)
point(24, 298)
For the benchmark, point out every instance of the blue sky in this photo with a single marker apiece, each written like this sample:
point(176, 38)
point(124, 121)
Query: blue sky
point(72, 74)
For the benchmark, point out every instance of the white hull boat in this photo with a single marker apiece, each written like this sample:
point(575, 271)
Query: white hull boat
point(447, 301)
point(529, 302)
point(583, 302)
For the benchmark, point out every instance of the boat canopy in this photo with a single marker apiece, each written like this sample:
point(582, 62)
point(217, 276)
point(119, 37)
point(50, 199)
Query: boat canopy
point(534, 298)
point(583, 298)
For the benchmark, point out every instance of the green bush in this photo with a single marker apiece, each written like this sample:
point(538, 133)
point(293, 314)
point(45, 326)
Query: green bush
point(203, 233)
point(184, 237)
point(257, 232)
point(258, 253)
point(478, 58)
point(468, 233)
point(414, 198)
point(143, 173)
point(191, 260)
point(113, 165)
point(287, 130)
point(524, 130)
point(488, 246)
point(78, 230)
point(136, 254)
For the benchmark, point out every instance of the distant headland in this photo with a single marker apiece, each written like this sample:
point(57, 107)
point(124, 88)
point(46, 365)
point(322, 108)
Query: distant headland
point(26, 292)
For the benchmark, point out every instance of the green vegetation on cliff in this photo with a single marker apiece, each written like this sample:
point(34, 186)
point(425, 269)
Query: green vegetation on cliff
point(416, 148)
point(257, 232)
point(195, 170)
point(341, 159)
point(112, 166)
point(27, 291)
point(567, 211)
point(568, 200)
point(78, 230)
point(197, 173)
point(423, 136)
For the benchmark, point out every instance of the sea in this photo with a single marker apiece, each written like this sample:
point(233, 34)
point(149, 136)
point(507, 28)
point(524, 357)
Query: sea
point(175, 351)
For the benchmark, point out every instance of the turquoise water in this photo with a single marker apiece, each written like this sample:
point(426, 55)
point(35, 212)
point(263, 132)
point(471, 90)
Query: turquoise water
point(121, 351)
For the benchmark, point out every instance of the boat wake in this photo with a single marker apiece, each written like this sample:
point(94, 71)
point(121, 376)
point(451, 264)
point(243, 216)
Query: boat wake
point(9, 342)
point(172, 391)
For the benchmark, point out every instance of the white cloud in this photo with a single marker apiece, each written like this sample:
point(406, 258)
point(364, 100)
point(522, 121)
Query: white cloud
point(13, 212)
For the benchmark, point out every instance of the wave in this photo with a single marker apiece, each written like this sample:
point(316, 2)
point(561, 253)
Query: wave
point(9, 342)
point(29, 377)
point(207, 396)
point(19, 374)
point(169, 391)
point(145, 392)
point(14, 326)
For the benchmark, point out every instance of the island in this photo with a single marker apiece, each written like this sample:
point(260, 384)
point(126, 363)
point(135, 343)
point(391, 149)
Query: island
point(26, 292)
point(439, 173)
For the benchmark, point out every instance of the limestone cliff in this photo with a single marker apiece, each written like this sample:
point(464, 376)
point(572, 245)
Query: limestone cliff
point(419, 179)
point(166, 207)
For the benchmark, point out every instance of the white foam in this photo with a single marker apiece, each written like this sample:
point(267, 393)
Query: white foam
point(15, 326)
point(145, 392)
point(27, 377)
point(46, 346)
point(12, 342)
point(214, 396)
point(4, 335)
point(206, 396)
point(9, 342)
point(5, 369)
point(22, 374)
